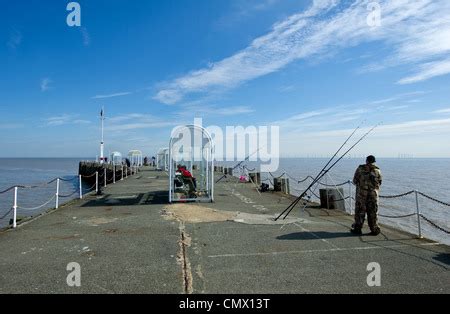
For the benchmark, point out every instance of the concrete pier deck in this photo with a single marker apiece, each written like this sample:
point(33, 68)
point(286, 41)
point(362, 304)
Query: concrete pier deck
point(131, 241)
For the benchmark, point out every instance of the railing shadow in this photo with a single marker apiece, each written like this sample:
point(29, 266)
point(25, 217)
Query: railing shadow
point(305, 235)
point(444, 258)
point(130, 199)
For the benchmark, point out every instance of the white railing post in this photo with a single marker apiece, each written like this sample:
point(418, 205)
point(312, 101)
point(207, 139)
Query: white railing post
point(104, 176)
point(418, 214)
point(114, 174)
point(96, 182)
point(81, 187)
point(57, 194)
point(121, 179)
point(15, 208)
point(350, 196)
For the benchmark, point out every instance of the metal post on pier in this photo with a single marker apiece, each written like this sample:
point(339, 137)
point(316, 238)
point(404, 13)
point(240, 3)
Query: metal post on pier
point(15, 208)
point(57, 194)
point(81, 187)
point(418, 214)
point(350, 196)
point(114, 174)
point(104, 176)
point(96, 182)
point(121, 179)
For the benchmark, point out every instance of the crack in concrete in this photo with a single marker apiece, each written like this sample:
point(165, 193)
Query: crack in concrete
point(184, 242)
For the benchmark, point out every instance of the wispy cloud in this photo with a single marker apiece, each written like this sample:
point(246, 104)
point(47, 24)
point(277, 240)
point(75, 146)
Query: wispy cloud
point(408, 128)
point(392, 108)
point(65, 119)
point(386, 140)
point(135, 121)
point(287, 88)
point(317, 119)
point(445, 110)
point(428, 70)
point(332, 117)
point(111, 95)
point(45, 84)
point(416, 32)
point(86, 36)
point(405, 97)
point(214, 110)
point(15, 39)
point(244, 9)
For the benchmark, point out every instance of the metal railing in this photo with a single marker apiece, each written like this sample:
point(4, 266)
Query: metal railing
point(417, 194)
point(81, 191)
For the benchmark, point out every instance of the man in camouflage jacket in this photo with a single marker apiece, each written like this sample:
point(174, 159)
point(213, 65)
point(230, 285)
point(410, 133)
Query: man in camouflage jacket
point(367, 180)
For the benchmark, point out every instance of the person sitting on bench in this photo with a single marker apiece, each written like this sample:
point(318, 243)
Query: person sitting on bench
point(187, 176)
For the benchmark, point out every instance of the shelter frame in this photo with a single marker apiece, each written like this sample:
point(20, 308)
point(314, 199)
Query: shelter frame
point(199, 153)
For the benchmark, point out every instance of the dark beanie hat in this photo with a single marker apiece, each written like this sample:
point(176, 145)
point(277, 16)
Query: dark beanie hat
point(371, 159)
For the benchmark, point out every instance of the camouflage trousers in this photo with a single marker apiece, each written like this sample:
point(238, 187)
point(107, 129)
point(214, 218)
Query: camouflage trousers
point(366, 203)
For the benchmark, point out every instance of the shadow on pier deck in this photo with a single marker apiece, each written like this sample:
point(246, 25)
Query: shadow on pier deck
point(131, 241)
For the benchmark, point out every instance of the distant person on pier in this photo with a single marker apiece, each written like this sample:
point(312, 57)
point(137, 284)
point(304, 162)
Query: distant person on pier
point(367, 180)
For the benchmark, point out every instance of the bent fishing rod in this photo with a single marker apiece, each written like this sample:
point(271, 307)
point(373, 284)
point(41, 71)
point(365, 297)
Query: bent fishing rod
point(325, 171)
point(241, 162)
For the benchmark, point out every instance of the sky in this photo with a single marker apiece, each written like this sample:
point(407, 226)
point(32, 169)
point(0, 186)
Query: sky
point(317, 69)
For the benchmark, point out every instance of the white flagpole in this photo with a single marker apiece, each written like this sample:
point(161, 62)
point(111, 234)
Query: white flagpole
point(102, 157)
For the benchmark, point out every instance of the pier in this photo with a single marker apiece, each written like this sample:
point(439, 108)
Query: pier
point(131, 240)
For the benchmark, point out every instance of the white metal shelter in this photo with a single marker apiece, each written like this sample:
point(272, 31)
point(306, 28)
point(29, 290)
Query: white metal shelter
point(116, 158)
point(189, 146)
point(135, 157)
point(162, 159)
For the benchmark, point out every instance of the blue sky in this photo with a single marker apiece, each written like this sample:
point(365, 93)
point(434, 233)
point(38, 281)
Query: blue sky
point(315, 68)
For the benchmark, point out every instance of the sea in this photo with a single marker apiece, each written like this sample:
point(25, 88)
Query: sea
point(37, 175)
point(400, 175)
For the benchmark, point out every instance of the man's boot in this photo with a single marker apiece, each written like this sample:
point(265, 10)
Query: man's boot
point(355, 230)
point(376, 231)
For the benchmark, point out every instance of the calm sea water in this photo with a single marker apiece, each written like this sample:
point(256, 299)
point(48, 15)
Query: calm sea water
point(430, 176)
point(36, 171)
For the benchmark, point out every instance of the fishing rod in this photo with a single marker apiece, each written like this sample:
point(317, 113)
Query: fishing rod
point(324, 171)
point(240, 163)
point(337, 161)
point(295, 202)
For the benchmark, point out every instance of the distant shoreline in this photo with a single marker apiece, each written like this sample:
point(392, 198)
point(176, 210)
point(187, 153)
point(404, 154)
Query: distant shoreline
point(326, 157)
